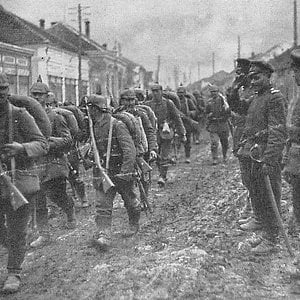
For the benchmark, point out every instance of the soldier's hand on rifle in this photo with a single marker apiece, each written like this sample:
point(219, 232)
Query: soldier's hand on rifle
point(267, 169)
point(153, 155)
point(13, 149)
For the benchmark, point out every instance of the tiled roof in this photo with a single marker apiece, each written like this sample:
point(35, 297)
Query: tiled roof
point(70, 35)
point(17, 31)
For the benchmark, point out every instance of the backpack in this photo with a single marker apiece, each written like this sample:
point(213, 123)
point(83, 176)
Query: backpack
point(70, 120)
point(136, 130)
point(150, 113)
point(36, 110)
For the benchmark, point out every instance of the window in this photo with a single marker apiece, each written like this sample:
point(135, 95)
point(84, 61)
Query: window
point(23, 85)
point(55, 86)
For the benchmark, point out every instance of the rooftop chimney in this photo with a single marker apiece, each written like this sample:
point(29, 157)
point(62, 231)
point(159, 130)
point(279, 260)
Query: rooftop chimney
point(42, 23)
point(87, 29)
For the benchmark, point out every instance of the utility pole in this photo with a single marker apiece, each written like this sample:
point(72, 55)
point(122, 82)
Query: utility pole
point(239, 47)
point(79, 52)
point(79, 48)
point(295, 24)
point(213, 63)
point(198, 70)
point(157, 71)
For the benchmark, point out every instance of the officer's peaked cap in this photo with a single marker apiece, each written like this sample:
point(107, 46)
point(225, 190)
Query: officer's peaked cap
point(243, 62)
point(181, 89)
point(259, 66)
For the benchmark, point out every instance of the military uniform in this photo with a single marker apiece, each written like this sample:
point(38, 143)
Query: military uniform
point(166, 113)
point(217, 124)
point(240, 91)
point(265, 126)
point(73, 157)
point(292, 161)
point(200, 116)
point(128, 97)
point(120, 169)
point(54, 171)
point(188, 109)
point(26, 133)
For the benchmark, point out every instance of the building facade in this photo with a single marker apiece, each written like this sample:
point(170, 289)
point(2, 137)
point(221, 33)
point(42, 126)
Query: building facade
point(16, 63)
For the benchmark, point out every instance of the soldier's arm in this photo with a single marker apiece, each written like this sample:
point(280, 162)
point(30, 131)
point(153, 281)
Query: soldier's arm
point(35, 143)
point(62, 140)
point(150, 132)
point(277, 133)
point(127, 146)
point(175, 116)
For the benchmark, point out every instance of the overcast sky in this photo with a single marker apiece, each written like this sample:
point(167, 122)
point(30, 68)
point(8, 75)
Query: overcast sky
point(182, 32)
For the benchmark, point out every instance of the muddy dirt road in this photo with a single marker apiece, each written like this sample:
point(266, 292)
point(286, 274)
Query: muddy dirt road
point(188, 249)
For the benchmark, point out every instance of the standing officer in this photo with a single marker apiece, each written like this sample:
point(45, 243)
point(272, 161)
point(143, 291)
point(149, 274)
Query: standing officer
point(21, 140)
point(168, 117)
point(265, 132)
point(291, 170)
point(240, 90)
point(117, 151)
point(55, 169)
point(188, 109)
point(217, 112)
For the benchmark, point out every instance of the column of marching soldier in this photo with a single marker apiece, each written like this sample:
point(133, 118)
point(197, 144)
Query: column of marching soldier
point(40, 146)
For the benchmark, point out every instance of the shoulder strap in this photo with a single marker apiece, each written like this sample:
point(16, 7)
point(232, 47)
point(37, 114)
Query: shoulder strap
point(109, 142)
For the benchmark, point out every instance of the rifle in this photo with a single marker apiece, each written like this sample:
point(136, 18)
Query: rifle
point(271, 197)
point(17, 199)
point(106, 181)
point(143, 194)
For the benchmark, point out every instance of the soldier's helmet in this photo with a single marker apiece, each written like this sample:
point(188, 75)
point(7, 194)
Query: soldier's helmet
point(3, 80)
point(100, 101)
point(181, 89)
point(128, 94)
point(39, 87)
point(155, 87)
point(213, 88)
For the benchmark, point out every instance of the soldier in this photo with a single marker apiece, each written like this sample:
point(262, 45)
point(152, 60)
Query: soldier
point(22, 141)
point(168, 117)
point(188, 109)
point(200, 116)
point(291, 170)
point(264, 138)
point(217, 112)
point(240, 90)
point(128, 97)
point(120, 163)
point(55, 169)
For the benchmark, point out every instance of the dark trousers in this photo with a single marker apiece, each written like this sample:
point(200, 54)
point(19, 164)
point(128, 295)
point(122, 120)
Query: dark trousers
point(16, 222)
point(55, 191)
point(76, 183)
point(164, 150)
point(214, 143)
point(188, 144)
point(295, 182)
point(104, 202)
point(3, 228)
point(260, 202)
